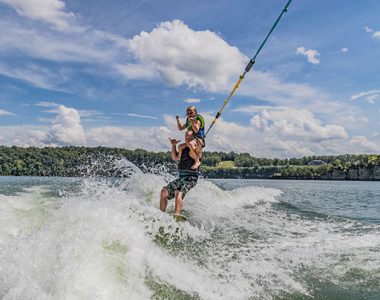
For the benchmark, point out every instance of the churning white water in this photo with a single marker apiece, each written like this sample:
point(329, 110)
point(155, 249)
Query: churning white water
point(102, 238)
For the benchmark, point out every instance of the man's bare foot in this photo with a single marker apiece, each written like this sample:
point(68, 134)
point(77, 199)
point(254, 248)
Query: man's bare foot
point(196, 165)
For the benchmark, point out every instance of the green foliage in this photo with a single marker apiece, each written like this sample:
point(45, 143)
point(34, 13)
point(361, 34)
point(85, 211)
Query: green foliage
point(83, 161)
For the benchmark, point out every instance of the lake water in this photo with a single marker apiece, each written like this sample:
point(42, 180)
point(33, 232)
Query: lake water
point(99, 238)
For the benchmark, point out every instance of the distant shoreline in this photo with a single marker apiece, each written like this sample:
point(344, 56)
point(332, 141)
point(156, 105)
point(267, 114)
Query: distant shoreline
point(114, 162)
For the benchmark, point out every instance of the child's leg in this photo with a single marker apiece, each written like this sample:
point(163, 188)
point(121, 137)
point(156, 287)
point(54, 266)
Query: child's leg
point(192, 146)
point(195, 154)
point(199, 147)
point(197, 163)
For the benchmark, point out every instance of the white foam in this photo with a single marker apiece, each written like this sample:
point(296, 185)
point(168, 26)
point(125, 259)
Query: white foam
point(100, 243)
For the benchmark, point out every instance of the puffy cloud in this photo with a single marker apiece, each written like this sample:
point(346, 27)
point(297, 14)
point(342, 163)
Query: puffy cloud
point(310, 54)
point(24, 135)
point(375, 34)
point(49, 11)
point(344, 50)
point(296, 123)
point(275, 141)
point(362, 144)
point(172, 52)
point(268, 138)
point(284, 132)
point(66, 128)
point(202, 59)
point(182, 56)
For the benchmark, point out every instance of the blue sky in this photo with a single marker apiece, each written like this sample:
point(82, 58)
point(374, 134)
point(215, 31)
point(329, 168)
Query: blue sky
point(115, 73)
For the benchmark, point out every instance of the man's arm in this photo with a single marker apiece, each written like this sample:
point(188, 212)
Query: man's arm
point(176, 155)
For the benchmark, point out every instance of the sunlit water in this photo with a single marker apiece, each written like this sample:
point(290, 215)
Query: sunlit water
point(102, 238)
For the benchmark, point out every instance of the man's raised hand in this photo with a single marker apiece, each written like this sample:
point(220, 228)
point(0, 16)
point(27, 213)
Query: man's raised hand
point(174, 141)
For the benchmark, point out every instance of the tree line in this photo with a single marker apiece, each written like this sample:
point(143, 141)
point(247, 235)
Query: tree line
point(88, 161)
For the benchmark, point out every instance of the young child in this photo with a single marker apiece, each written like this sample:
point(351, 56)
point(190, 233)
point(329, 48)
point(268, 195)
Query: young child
point(196, 124)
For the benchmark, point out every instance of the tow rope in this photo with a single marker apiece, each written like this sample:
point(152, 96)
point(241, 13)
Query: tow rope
point(248, 67)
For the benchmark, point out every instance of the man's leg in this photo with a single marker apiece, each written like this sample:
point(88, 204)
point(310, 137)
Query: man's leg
point(178, 203)
point(164, 199)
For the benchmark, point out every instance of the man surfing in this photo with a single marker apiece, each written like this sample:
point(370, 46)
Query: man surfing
point(188, 177)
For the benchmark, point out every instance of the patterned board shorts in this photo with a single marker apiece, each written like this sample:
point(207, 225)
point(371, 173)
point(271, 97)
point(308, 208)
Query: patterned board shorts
point(182, 185)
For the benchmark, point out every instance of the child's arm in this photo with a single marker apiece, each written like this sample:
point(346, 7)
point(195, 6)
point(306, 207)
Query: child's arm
point(195, 125)
point(179, 125)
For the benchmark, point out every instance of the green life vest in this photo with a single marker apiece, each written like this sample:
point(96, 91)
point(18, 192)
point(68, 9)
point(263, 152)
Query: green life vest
point(201, 131)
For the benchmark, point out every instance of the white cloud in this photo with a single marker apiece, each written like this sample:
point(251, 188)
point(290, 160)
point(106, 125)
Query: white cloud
point(84, 46)
point(101, 52)
point(192, 100)
point(344, 50)
point(45, 120)
point(24, 135)
point(369, 96)
point(362, 144)
point(285, 132)
point(6, 113)
point(141, 116)
point(371, 99)
point(83, 113)
point(66, 128)
point(345, 116)
point(310, 54)
point(375, 34)
point(352, 120)
point(296, 124)
point(301, 134)
point(182, 56)
point(47, 104)
point(170, 51)
point(49, 11)
point(368, 29)
point(33, 74)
